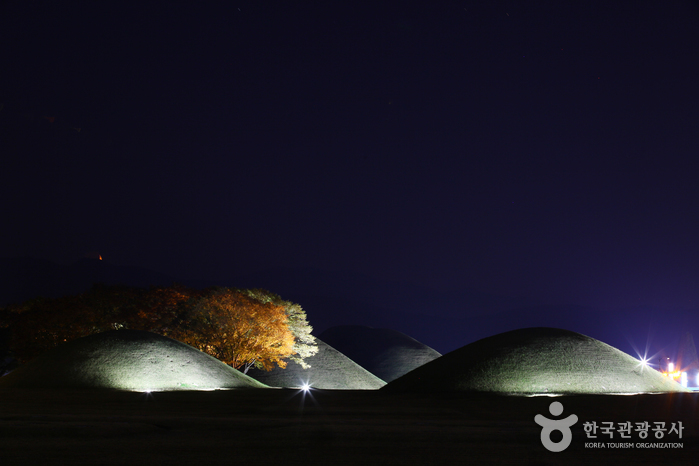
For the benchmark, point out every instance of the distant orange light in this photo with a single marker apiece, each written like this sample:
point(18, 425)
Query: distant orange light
point(100, 257)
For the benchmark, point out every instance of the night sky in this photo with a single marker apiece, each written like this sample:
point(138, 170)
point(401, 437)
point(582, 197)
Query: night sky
point(544, 150)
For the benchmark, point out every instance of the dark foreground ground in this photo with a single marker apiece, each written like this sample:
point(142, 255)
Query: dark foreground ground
point(326, 427)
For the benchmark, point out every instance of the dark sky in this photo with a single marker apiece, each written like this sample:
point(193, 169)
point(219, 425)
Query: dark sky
point(538, 149)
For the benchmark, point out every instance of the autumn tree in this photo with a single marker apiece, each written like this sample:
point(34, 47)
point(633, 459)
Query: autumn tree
point(304, 343)
point(238, 329)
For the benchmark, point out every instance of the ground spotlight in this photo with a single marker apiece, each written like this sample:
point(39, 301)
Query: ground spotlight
point(643, 362)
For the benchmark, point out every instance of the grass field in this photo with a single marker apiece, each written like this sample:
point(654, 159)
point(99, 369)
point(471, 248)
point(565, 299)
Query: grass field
point(333, 427)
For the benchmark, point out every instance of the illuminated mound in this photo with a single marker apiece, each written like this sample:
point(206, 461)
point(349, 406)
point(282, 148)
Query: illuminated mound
point(536, 361)
point(329, 369)
point(127, 360)
point(388, 354)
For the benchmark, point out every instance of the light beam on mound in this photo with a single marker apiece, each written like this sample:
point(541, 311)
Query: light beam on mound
point(128, 360)
point(536, 361)
point(643, 363)
point(643, 357)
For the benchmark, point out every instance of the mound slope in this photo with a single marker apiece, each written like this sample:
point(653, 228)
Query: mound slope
point(330, 369)
point(127, 360)
point(536, 361)
point(388, 354)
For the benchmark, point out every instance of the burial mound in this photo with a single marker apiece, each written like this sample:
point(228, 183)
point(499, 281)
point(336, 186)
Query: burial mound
point(330, 369)
point(127, 360)
point(536, 361)
point(388, 354)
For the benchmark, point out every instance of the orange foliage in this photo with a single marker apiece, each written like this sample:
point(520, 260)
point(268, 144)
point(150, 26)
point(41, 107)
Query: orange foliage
point(160, 309)
point(239, 330)
point(230, 325)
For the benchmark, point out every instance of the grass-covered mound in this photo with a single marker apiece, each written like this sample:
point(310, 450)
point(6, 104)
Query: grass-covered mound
point(388, 354)
point(329, 369)
point(127, 360)
point(536, 361)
